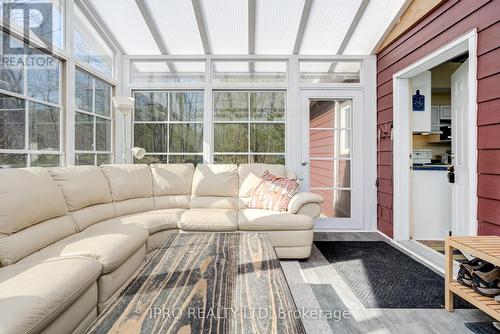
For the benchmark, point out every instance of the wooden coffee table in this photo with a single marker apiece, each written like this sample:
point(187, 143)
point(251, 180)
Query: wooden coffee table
point(206, 283)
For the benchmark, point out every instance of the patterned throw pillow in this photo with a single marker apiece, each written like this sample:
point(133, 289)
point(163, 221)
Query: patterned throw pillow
point(273, 192)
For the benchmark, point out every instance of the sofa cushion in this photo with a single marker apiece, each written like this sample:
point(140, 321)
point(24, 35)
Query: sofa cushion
point(82, 186)
point(33, 295)
point(172, 179)
point(31, 188)
point(129, 181)
point(267, 220)
point(249, 176)
point(209, 220)
point(215, 180)
point(108, 243)
point(153, 221)
point(16, 246)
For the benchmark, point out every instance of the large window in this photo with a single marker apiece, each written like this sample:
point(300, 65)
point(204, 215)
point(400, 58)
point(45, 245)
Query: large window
point(30, 112)
point(249, 127)
point(89, 47)
point(93, 120)
point(169, 126)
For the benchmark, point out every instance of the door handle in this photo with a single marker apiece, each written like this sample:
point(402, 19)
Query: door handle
point(451, 174)
point(303, 163)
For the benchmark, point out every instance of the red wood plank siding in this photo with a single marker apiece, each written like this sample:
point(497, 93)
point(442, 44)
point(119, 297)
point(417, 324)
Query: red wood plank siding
point(446, 23)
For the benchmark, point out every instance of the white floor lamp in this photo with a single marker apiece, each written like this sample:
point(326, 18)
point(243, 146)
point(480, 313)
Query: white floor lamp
point(125, 104)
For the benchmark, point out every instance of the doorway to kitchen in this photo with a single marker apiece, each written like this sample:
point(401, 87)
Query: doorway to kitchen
point(435, 145)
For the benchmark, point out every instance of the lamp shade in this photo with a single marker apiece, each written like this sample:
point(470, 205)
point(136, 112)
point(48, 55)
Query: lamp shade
point(138, 152)
point(124, 104)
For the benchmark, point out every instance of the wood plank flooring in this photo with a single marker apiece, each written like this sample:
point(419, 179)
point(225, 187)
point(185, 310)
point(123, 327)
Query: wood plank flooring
point(316, 286)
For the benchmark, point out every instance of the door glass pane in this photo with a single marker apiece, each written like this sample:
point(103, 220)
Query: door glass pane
point(151, 137)
point(44, 127)
point(84, 132)
point(9, 160)
point(12, 122)
point(330, 153)
point(151, 106)
point(231, 137)
point(230, 106)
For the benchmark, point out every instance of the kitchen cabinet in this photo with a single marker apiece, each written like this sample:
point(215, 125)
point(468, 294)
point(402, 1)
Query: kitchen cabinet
point(445, 112)
point(421, 102)
point(435, 118)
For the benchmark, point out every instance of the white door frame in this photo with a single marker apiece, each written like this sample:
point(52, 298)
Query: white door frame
point(402, 131)
point(355, 222)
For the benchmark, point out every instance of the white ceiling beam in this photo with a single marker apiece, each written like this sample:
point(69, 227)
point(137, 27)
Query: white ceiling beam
point(251, 26)
point(302, 26)
point(96, 19)
point(153, 28)
point(202, 28)
point(353, 26)
point(251, 33)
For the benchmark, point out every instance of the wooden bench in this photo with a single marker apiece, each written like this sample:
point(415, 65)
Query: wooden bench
point(483, 247)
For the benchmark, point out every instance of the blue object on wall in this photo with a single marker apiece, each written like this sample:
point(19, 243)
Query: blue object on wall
point(418, 102)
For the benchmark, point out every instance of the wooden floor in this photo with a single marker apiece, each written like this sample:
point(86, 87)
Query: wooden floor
point(316, 286)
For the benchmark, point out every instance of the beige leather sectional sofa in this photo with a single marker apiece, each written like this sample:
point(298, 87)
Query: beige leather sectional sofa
point(70, 238)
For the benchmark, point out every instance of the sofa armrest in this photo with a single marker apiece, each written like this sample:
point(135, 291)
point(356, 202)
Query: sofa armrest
point(299, 200)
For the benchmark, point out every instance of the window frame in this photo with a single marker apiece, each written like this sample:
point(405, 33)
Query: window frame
point(61, 152)
point(168, 122)
point(95, 115)
point(249, 122)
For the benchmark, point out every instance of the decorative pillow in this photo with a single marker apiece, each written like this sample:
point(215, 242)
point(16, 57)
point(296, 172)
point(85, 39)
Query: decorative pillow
point(273, 192)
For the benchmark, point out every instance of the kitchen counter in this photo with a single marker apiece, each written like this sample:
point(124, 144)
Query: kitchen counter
point(431, 167)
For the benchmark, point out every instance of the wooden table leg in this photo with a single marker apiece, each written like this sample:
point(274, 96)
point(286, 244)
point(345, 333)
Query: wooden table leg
point(448, 297)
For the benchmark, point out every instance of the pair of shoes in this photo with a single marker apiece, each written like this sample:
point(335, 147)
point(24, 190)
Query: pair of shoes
point(480, 275)
point(467, 270)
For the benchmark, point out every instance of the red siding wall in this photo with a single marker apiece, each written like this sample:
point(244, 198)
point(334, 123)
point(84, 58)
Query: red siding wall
point(449, 21)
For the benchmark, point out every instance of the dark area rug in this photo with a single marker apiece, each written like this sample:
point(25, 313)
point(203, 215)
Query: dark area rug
point(482, 328)
point(383, 277)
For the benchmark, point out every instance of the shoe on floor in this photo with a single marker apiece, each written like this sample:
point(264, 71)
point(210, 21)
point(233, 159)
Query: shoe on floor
point(467, 269)
point(486, 281)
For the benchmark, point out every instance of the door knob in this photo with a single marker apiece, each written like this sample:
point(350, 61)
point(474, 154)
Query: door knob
point(303, 163)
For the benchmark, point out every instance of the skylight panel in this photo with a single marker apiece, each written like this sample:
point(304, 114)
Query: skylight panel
point(276, 26)
point(227, 26)
point(376, 19)
point(327, 25)
point(125, 21)
point(177, 24)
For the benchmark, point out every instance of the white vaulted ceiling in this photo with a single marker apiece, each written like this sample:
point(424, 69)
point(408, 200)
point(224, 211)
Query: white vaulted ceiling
point(247, 27)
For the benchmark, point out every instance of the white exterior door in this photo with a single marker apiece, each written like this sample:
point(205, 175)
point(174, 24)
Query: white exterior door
point(331, 154)
point(459, 144)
